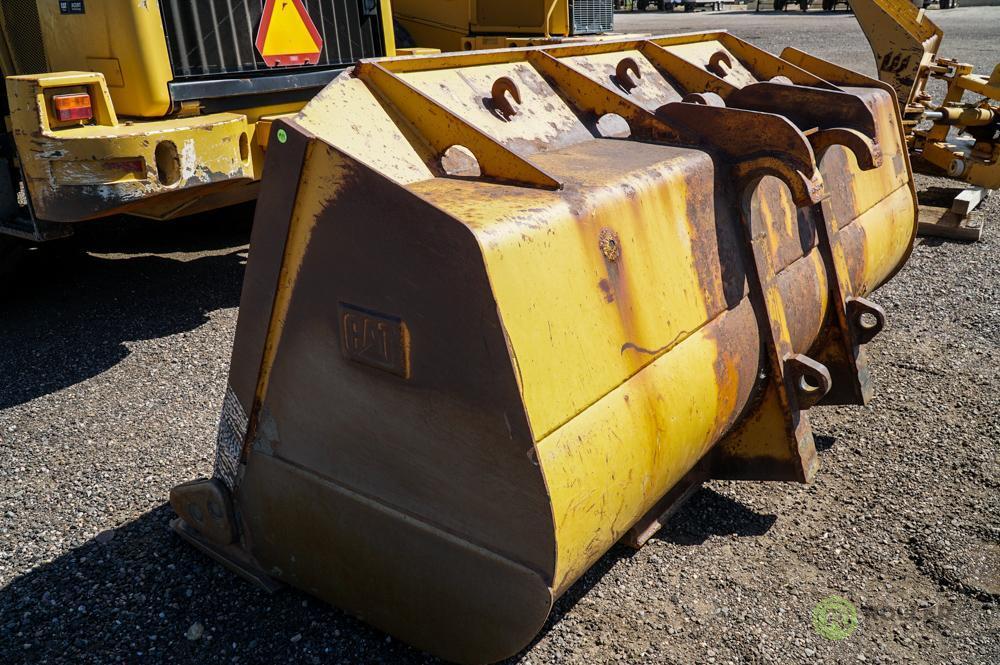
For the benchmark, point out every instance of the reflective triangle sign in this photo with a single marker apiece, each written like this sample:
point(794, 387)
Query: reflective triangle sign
point(287, 35)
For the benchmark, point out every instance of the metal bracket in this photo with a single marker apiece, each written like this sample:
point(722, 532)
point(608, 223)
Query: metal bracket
point(442, 129)
point(756, 144)
point(598, 99)
point(843, 349)
point(694, 77)
point(775, 442)
point(807, 107)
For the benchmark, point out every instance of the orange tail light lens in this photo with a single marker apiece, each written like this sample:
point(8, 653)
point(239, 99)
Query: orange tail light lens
point(73, 107)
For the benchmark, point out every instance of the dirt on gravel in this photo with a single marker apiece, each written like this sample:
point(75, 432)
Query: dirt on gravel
point(115, 350)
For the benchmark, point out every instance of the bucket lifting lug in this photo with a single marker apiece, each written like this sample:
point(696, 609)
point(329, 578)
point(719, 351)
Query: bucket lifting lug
point(443, 129)
point(867, 319)
point(811, 380)
point(498, 95)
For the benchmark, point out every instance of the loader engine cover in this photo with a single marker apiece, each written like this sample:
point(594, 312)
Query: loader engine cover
point(504, 309)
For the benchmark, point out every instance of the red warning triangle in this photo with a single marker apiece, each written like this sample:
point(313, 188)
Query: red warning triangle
point(287, 35)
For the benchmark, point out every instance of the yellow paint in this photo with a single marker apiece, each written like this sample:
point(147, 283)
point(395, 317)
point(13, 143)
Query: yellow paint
point(452, 24)
point(120, 37)
point(365, 132)
point(609, 465)
point(903, 39)
point(630, 358)
point(66, 156)
point(628, 320)
point(123, 41)
point(888, 228)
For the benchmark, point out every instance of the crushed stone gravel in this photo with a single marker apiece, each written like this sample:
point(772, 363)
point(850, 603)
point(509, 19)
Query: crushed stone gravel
point(115, 349)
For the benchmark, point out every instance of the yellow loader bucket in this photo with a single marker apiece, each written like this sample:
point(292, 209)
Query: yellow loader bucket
point(506, 308)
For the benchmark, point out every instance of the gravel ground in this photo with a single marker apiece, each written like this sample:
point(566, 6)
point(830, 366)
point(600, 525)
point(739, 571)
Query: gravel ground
point(116, 348)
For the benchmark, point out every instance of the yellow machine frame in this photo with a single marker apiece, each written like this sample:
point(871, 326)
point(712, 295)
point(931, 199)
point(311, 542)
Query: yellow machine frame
point(140, 154)
point(467, 25)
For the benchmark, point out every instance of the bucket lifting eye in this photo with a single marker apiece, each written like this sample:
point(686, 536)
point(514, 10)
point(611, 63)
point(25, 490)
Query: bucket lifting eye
point(626, 69)
point(811, 379)
point(501, 103)
point(866, 318)
point(720, 64)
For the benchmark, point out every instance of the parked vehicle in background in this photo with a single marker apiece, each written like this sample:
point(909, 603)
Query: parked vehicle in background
point(162, 109)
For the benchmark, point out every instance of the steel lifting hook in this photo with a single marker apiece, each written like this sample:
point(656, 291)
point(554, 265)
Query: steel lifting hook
point(716, 62)
point(622, 74)
point(503, 106)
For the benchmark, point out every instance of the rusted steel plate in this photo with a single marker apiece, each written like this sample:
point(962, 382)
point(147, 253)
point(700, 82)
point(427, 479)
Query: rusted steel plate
point(473, 375)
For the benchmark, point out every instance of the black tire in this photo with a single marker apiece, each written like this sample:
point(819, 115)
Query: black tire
point(829, 5)
point(945, 4)
point(779, 5)
point(11, 252)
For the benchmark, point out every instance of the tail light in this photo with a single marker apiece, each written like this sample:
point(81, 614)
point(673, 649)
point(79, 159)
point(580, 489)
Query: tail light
point(74, 106)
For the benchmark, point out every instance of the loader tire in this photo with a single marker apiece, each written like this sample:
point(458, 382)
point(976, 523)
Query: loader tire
point(11, 252)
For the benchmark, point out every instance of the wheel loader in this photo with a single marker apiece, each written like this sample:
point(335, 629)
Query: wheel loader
point(161, 108)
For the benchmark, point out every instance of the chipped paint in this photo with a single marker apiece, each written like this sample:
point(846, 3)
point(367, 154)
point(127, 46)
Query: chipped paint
point(595, 323)
point(81, 172)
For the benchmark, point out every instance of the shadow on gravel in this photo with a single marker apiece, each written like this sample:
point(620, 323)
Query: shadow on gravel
point(135, 597)
point(133, 594)
point(823, 442)
point(69, 308)
point(709, 513)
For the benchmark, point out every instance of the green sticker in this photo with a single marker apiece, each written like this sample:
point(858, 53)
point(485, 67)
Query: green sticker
point(282, 136)
point(835, 618)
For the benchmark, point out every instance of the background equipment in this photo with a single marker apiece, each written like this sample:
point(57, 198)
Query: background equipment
point(159, 108)
point(954, 137)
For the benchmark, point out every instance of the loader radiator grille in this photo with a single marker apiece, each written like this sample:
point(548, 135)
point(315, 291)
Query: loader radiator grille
point(23, 34)
point(216, 37)
point(591, 16)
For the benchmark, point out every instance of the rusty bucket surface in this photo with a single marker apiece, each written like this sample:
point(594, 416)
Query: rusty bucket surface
point(504, 309)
